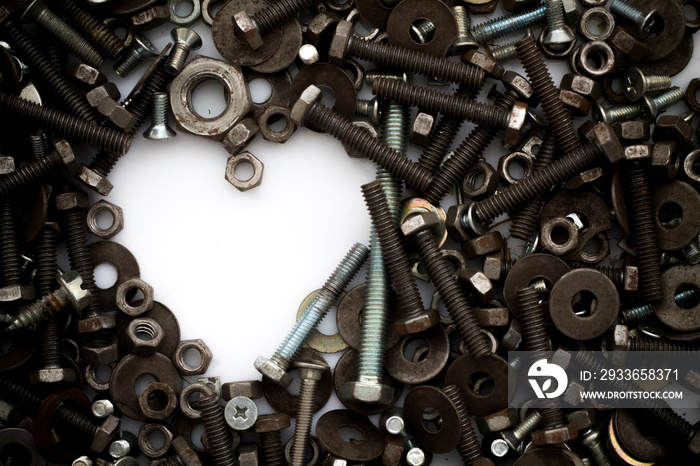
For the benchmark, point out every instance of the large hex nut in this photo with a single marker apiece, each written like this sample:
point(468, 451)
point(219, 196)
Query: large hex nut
point(665, 161)
point(506, 163)
point(672, 128)
point(244, 184)
point(240, 136)
point(97, 354)
point(113, 210)
point(480, 181)
point(205, 357)
point(582, 85)
point(628, 44)
point(144, 336)
point(157, 401)
point(201, 69)
point(632, 132)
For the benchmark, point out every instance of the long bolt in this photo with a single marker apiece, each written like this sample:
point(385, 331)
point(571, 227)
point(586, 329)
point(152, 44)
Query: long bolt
point(35, 171)
point(64, 123)
point(100, 35)
point(637, 84)
point(10, 254)
point(142, 49)
point(219, 441)
point(276, 367)
point(508, 25)
point(469, 447)
point(269, 427)
point(653, 105)
point(251, 28)
point(310, 373)
point(646, 22)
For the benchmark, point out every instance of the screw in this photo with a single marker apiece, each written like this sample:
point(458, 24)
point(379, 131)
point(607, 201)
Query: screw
point(160, 108)
point(39, 143)
point(635, 314)
point(420, 227)
point(558, 34)
point(464, 38)
point(422, 31)
point(276, 367)
point(125, 461)
point(512, 439)
point(219, 441)
point(508, 25)
point(646, 22)
point(506, 52)
point(241, 413)
point(369, 108)
point(100, 35)
point(616, 113)
point(185, 40)
point(250, 29)
point(10, 254)
point(652, 106)
point(310, 373)
point(119, 449)
point(102, 408)
point(692, 253)
point(593, 442)
point(64, 123)
point(142, 48)
point(38, 12)
point(82, 461)
point(269, 427)
point(308, 54)
point(639, 84)
point(468, 447)
point(309, 108)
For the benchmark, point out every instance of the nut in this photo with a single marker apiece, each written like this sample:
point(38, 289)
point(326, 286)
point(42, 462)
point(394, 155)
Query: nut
point(271, 423)
point(86, 74)
point(554, 436)
point(573, 394)
point(508, 161)
point(582, 85)
point(248, 388)
point(274, 113)
point(559, 235)
point(632, 132)
point(187, 398)
point(478, 286)
point(98, 353)
point(578, 104)
point(150, 18)
point(514, 127)
point(240, 136)
point(244, 184)
point(480, 181)
point(114, 211)
point(248, 454)
point(421, 128)
point(484, 245)
point(691, 95)
point(490, 66)
point(672, 128)
point(144, 439)
point(59, 374)
point(196, 369)
point(628, 44)
point(493, 266)
point(498, 421)
point(144, 336)
point(595, 58)
point(417, 324)
point(105, 433)
point(157, 401)
point(583, 419)
point(601, 29)
point(665, 161)
point(130, 286)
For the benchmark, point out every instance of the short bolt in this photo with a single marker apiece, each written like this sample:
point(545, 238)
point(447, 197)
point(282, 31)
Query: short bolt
point(594, 443)
point(310, 373)
point(615, 113)
point(219, 440)
point(638, 84)
point(512, 439)
point(185, 40)
point(140, 50)
point(251, 29)
point(651, 106)
point(464, 38)
point(691, 253)
point(160, 111)
point(507, 25)
point(269, 427)
point(558, 35)
point(276, 367)
point(119, 449)
point(646, 22)
point(636, 314)
point(102, 408)
point(100, 35)
point(469, 447)
point(506, 52)
point(370, 109)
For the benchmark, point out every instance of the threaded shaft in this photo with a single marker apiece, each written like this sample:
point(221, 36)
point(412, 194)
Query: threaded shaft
point(126, 64)
point(45, 282)
point(463, 21)
point(38, 311)
point(177, 58)
point(691, 253)
point(600, 455)
point(525, 428)
point(644, 231)
point(641, 343)
point(100, 35)
point(9, 244)
point(628, 12)
point(271, 451)
point(392, 56)
point(615, 274)
point(532, 322)
point(422, 30)
point(555, 14)
point(636, 314)
point(469, 447)
point(325, 299)
point(668, 98)
point(368, 108)
point(508, 25)
point(657, 82)
point(277, 13)
point(160, 106)
point(357, 139)
point(30, 174)
point(47, 71)
point(395, 257)
point(71, 419)
point(505, 53)
point(304, 418)
point(60, 122)
point(39, 143)
point(435, 101)
point(219, 441)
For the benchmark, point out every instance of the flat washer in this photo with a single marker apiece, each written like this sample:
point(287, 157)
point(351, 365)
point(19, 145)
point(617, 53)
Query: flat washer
point(668, 40)
point(406, 12)
point(287, 52)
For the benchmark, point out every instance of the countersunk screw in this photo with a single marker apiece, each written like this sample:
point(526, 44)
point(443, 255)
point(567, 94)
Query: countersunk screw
point(593, 442)
point(276, 367)
point(38, 12)
point(250, 29)
point(102, 37)
point(464, 38)
point(160, 110)
point(185, 40)
point(369, 108)
point(646, 22)
point(469, 447)
point(616, 113)
point(310, 373)
point(219, 440)
point(558, 34)
point(508, 25)
point(651, 106)
point(638, 84)
point(512, 439)
point(141, 49)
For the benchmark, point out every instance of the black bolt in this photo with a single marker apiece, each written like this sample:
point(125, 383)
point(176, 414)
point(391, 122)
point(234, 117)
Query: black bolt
point(468, 447)
point(9, 243)
point(219, 441)
point(100, 35)
point(266, 19)
point(271, 451)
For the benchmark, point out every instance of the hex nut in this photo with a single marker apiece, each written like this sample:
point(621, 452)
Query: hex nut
point(578, 104)
point(157, 401)
point(240, 136)
point(271, 114)
point(241, 413)
point(421, 129)
point(491, 67)
point(672, 128)
point(493, 266)
point(108, 90)
point(554, 436)
point(582, 85)
point(559, 235)
point(478, 286)
point(232, 164)
point(86, 74)
point(185, 404)
point(132, 285)
point(144, 439)
point(364, 392)
point(605, 58)
point(691, 95)
point(638, 152)
point(105, 433)
point(498, 421)
point(184, 20)
point(480, 181)
point(583, 419)
point(12, 293)
point(628, 44)
point(484, 245)
point(97, 354)
point(144, 336)
point(689, 166)
point(113, 210)
point(604, 17)
point(454, 225)
point(249, 388)
point(632, 132)
point(516, 121)
point(179, 357)
point(418, 323)
point(72, 200)
point(272, 423)
point(665, 161)
point(95, 324)
point(52, 375)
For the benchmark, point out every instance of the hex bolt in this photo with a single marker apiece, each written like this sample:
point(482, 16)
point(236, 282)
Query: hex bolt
point(269, 427)
point(651, 106)
point(638, 84)
point(464, 38)
point(119, 448)
point(645, 22)
point(38, 170)
point(512, 439)
point(469, 447)
point(636, 314)
point(39, 143)
point(185, 41)
point(419, 227)
point(250, 29)
point(276, 367)
point(100, 35)
point(643, 343)
point(310, 109)
point(618, 275)
point(38, 12)
point(219, 441)
point(69, 294)
point(140, 50)
point(310, 373)
point(370, 109)
point(508, 25)
point(558, 34)
point(64, 123)
point(416, 319)
point(10, 254)
point(160, 111)
point(48, 71)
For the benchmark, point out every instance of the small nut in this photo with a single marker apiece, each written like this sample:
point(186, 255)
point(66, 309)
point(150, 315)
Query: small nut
point(484, 245)
point(559, 235)
point(113, 210)
point(498, 421)
point(249, 388)
point(628, 44)
point(480, 181)
point(144, 439)
point(98, 353)
point(255, 179)
point(240, 136)
point(421, 128)
point(596, 24)
point(144, 336)
point(273, 113)
point(494, 265)
point(515, 159)
point(86, 74)
point(130, 286)
point(665, 160)
point(157, 401)
point(672, 128)
point(188, 396)
point(478, 286)
point(454, 225)
point(632, 132)
point(196, 369)
point(596, 58)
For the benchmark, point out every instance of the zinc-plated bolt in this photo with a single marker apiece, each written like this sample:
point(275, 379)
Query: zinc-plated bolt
point(160, 111)
point(185, 40)
point(616, 113)
point(692, 253)
point(369, 108)
point(512, 439)
point(508, 25)
point(141, 49)
point(38, 12)
point(422, 31)
point(310, 373)
point(469, 447)
point(638, 84)
point(506, 52)
point(219, 440)
point(241, 413)
point(308, 54)
point(100, 35)
point(646, 22)
point(119, 448)
point(636, 314)
point(250, 29)
point(464, 38)
point(651, 106)
point(593, 442)
point(276, 367)
point(82, 461)
point(102, 408)
point(558, 34)
point(69, 293)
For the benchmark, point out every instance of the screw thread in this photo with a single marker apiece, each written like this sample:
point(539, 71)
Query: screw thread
point(48, 71)
point(452, 295)
point(525, 428)
point(320, 306)
point(627, 11)
point(277, 13)
point(505, 53)
point(642, 343)
point(160, 107)
point(357, 139)
point(645, 239)
point(555, 14)
point(395, 119)
point(173, 460)
point(668, 98)
point(423, 30)
point(219, 441)
point(433, 101)
point(462, 20)
point(102, 37)
point(45, 282)
point(508, 25)
point(39, 143)
point(392, 56)
point(9, 244)
point(177, 58)
point(532, 322)
point(395, 257)
point(657, 82)
point(615, 274)
point(304, 418)
point(637, 314)
point(30, 174)
point(469, 447)
point(271, 451)
point(50, 344)
point(622, 113)
point(72, 419)
point(692, 253)
point(368, 108)
point(38, 311)
point(23, 396)
point(60, 122)
point(600, 455)
point(129, 60)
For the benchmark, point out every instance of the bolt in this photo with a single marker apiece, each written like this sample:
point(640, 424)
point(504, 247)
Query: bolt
point(250, 29)
point(102, 408)
point(422, 31)
point(646, 22)
point(645, 344)
point(615, 113)
point(558, 35)
point(310, 373)
point(39, 143)
point(639, 84)
point(469, 447)
point(100, 35)
point(125, 461)
point(308, 54)
point(635, 314)
point(276, 367)
point(370, 109)
point(651, 106)
point(82, 461)
point(10, 254)
point(506, 52)
point(310, 109)
point(592, 441)
point(160, 108)
point(64, 123)
point(464, 38)
point(185, 40)
point(694, 143)
point(38, 12)
point(119, 449)
point(142, 48)
point(219, 440)
point(508, 25)
point(691, 253)
point(269, 427)
point(69, 293)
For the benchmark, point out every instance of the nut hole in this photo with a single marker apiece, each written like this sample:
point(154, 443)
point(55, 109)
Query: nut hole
point(351, 434)
point(157, 400)
point(102, 373)
point(260, 90)
point(244, 170)
point(183, 8)
point(560, 235)
point(142, 381)
point(105, 276)
point(411, 346)
point(481, 383)
point(280, 125)
point(209, 98)
point(191, 358)
point(146, 331)
point(156, 440)
point(584, 303)
point(104, 219)
point(670, 215)
point(431, 420)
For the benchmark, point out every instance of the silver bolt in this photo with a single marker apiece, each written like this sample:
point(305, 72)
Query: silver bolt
point(464, 38)
point(513, 438)
point(142, 48)
point(615, 113)
point(507, 25)
point(591, 440)
point(119, 449)
point(160, 110)
point(186, 40)
point(416, 456)
point(638, 84)
point(507, 52)
point(369, 108)
point(82, 461)
point(310, 373)
point(692, 253)
point(646, 22)
point(102, 408)
point(241, 413)
point(558, 35)
point(652, 106)
point(308, 54)
point(422, 31)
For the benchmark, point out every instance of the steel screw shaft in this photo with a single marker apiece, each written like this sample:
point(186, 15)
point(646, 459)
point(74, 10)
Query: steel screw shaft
point(310, 373)
point(30, 174)
point(271, 451)
point(277, 13)
point(508, 25)
point(103, 38)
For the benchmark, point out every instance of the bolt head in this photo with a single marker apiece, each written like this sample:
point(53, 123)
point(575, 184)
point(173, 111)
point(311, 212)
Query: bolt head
point(603, 136)
point(338, 51)
point(518, 84)
point(374, 393)
point(490, 66)
point(144, 46)
point(102, 408)
point(311, 369)
point(499, 448)
point(619, 343)
point(158, 132)
point(64, 150)
point(416, 223)
point(554, 436)
point(649, 108)
point(82, 461)
point(419, 323)
point(188, 36)
point(649, 25)
point(694, 443)
point(72, 200)
point(71, 283)
point(7, 165)
point(635, 85)
point(105, 433)
point(558, 38)
point(241, 413)
point(33, 10)
point(273, 371)
point(94, 181)
point(272, 423)
point(516, 120)
point(308, 98)
point(52, 375)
